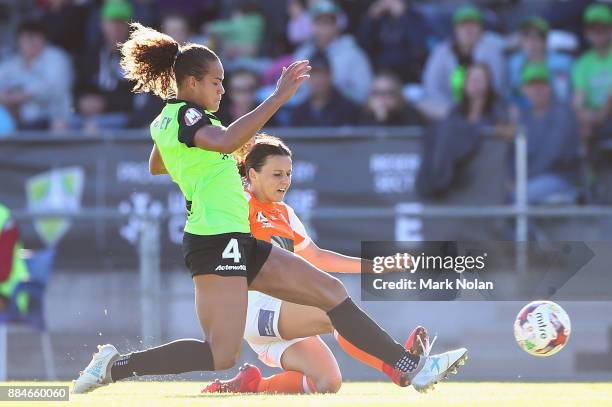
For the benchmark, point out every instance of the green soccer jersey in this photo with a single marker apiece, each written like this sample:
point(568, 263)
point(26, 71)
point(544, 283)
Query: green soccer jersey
point(592, 75)
point(209, 180)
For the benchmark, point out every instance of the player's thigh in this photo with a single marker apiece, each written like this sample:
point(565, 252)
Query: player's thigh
point(300, 321)
point(291, 278)
point(313, 358)
point(221, 305)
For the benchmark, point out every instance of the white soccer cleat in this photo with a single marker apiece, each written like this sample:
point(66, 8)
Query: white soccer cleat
point(97, 372)
point(438, 367)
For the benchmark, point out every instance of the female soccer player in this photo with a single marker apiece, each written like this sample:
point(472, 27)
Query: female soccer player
point(284, 334)
point(224, 259)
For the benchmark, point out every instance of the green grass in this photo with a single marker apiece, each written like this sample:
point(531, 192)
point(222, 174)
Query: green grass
point(158, 394)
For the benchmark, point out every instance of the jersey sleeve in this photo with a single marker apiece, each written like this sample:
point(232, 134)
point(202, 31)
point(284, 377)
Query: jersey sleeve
point(191, 118)
point(302, 240)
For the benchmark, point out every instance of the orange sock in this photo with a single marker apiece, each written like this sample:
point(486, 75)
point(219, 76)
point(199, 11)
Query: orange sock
point(362, 356)
point(289, 382)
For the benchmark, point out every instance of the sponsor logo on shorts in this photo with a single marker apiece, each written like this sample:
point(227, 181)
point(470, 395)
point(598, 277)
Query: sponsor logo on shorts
point(226, 267)
point(265, 323)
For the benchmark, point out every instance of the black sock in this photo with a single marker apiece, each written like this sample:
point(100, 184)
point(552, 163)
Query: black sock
point(184, 355)
point(360, 330)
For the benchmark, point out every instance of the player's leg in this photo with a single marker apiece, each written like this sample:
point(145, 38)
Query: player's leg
point(290, 278)
point(221, 303)
point(308, 363)
point(300, 321)
point(221, 307)
point(316, 364)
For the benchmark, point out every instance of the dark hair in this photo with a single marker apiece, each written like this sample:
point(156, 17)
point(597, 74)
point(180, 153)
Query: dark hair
point(33, 26)
point(157, 64)
point(491, 97)
point(254, 154)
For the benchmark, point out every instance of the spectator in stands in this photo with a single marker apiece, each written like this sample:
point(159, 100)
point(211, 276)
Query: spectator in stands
point(65, 24)
point(592, 80)
point(454, 140)
point(104, 97)
point(239, 36)
point(592, 75)
point(13, 269)
point(386, 105)
point(534, 31)
point(36, 82)
point(395, 36)
point(350, 66)
point(446, 66)
point(178, 27)
point(299, 28)
point(553, 141)
point(326, 106)
point(241, 95)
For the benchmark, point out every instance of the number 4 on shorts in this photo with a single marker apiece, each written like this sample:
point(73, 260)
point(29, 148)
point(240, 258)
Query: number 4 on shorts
point(232, 251)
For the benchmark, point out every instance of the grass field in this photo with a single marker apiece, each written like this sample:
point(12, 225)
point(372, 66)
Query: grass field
point(158, 394)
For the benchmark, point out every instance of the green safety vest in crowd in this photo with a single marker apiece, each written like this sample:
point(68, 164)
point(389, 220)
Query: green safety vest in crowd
point(19, 270)
point(209, 180)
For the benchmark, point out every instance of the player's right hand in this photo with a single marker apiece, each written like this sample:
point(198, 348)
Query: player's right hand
point(291, 79)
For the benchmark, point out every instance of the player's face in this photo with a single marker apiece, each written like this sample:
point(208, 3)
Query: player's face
point(209, 90)
point(272, 182)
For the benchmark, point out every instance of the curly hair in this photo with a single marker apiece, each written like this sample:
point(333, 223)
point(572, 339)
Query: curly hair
point(156, 63)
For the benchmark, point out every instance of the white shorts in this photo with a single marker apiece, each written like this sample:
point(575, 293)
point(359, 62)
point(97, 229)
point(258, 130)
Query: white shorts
point(261, 331)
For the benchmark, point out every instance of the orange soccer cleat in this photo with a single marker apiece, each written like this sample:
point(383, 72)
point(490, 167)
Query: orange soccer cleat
point(245, 381)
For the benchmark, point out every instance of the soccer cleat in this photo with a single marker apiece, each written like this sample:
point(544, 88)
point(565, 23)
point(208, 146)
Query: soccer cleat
point(245, 381)
point(416, 344)
point(438, 367)
point(97, 372)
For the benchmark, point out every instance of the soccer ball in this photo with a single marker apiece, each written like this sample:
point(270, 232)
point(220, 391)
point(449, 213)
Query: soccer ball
point(542, 328)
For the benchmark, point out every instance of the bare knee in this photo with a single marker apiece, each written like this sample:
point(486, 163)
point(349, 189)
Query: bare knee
point(328, 383)
point(224, 356)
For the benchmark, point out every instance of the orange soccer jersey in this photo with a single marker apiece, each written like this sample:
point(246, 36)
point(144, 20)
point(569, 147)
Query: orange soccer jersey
point(277, 223)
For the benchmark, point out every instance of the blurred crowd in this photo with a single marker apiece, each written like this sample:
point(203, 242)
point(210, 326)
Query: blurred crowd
point(459, 69)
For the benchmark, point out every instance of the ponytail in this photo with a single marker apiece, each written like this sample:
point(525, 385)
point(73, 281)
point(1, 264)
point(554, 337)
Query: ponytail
point(156, 63)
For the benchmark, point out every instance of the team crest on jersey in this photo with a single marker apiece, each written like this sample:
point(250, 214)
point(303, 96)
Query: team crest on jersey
point(192, 116)
point(261, 218)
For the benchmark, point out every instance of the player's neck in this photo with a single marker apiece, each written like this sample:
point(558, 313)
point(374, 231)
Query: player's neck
point(260, 197)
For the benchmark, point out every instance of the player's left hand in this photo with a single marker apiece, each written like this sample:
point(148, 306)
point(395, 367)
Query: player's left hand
point(291, 79)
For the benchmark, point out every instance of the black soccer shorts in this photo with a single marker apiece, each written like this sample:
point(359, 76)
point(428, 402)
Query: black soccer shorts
point(227, 254)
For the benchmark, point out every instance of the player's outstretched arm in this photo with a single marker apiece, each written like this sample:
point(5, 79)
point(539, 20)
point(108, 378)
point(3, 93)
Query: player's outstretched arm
point(227, 140)
point(332, 262)
point(329, 261)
